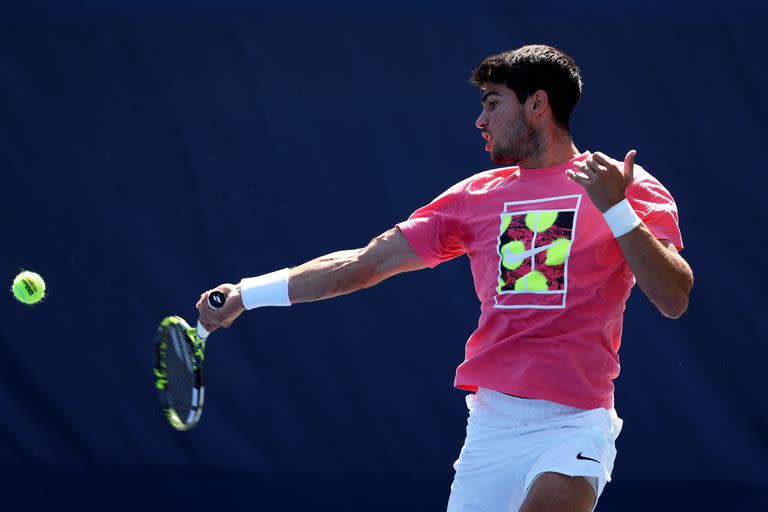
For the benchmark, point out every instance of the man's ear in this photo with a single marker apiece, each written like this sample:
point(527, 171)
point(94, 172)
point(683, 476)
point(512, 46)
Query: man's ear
point(538, 102)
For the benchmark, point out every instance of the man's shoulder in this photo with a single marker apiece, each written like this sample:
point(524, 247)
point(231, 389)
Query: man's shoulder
point(645, 187)
point(641, 174)
point(644, 179)
point(479, 183)
point(487, 180)
point(496, 172)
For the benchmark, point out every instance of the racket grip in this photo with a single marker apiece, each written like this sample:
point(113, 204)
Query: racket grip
point(216, 300)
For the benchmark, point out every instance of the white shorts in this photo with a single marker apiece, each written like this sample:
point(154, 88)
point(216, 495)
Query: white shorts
point(510, 441)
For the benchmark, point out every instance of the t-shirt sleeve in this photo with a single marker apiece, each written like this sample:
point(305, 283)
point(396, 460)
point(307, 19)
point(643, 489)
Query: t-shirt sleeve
point(656, 207)
point(434, 231)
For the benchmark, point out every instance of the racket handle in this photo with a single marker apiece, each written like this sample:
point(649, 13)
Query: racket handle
point(216, 300)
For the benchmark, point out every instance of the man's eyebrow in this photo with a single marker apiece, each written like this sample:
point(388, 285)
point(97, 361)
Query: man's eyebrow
point(489, 93)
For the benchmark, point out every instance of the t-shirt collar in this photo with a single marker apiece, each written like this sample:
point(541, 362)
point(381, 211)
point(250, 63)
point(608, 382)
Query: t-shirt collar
point(556, 169)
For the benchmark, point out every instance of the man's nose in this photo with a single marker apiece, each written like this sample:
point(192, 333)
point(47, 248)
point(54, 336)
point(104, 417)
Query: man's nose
point(481, 121)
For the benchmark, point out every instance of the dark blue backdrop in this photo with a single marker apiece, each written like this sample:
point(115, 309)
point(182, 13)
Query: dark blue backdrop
point(149, 155)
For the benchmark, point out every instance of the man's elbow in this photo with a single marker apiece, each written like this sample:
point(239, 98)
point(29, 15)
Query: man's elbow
point(675, 303)
point(674, 311)
point(674, 307)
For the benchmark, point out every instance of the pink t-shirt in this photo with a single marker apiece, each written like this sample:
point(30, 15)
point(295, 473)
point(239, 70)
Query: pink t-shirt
point(551, 278)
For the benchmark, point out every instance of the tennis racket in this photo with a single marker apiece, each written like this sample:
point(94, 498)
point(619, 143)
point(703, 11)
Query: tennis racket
point(179, 352)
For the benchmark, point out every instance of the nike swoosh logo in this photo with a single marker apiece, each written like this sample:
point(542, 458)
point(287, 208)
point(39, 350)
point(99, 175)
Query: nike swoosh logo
point(514, 257)
point(581, 457)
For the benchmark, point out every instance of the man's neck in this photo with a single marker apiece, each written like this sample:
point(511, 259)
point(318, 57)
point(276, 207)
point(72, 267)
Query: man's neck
point(555, 150)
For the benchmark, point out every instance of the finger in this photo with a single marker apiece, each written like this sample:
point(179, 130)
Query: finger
point(629, 164)
point(584, 169)
point(596, 167)
point(210, 320)
point(581, 180)
point(208, 315)
point(603, 159)
point(201, 300)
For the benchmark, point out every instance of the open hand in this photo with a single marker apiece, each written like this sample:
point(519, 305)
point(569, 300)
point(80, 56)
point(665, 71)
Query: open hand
point(604, 179)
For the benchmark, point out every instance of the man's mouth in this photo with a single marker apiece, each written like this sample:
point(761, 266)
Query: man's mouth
point(487, 137)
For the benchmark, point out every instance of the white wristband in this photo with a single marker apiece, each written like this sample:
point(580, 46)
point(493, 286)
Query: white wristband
point(621, 218)
point(266, 290)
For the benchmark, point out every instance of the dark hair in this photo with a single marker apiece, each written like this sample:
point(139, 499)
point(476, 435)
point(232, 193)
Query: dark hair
point(532, 68)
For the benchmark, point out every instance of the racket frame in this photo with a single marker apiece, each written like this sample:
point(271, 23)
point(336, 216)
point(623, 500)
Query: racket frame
point(188, 335)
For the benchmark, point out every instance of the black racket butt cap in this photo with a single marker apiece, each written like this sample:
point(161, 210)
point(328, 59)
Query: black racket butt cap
point(216, 299)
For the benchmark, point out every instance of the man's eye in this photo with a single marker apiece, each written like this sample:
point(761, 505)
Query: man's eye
point(492, 105)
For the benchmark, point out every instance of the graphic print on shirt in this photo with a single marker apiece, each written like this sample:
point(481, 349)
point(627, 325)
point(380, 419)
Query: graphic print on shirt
point(534, 244)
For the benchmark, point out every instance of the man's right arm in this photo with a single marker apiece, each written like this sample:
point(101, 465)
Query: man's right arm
point(328, 276)
point(344, 272)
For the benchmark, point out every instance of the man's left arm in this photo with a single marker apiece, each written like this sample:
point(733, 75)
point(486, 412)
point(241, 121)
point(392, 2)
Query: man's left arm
point(662, 274)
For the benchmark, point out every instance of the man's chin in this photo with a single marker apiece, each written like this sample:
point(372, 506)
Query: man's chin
point(502, 159)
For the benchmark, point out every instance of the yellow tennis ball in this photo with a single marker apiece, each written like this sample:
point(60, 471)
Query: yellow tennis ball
point(28, 287)
point(509, 252)
point(540, 221)
point(506, 220)
point(532, 281)
point(557, 253)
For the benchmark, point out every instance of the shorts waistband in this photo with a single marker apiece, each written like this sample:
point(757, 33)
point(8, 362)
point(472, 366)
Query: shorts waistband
point(524, 409)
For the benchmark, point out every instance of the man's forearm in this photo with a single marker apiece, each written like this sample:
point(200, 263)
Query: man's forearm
point(665, 278)
point(324, 277)
point(328, 276)
point(331, 275)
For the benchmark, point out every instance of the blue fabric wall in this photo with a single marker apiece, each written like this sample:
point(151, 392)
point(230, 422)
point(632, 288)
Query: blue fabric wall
point(149, 155)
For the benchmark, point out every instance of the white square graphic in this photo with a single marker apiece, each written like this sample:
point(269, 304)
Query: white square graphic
point(534, 244)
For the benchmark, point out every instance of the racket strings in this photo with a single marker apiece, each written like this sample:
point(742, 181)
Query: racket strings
point(181, 386)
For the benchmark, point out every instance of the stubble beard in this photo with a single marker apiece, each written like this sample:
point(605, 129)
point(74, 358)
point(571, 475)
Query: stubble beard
point(524, 143)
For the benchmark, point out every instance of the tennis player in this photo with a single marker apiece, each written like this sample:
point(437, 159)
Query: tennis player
point(556, 240)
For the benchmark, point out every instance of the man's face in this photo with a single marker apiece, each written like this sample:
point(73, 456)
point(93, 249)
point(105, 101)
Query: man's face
point(511, 139)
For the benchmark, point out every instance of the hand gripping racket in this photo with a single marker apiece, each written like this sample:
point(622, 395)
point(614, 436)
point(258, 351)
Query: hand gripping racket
point(179, 352)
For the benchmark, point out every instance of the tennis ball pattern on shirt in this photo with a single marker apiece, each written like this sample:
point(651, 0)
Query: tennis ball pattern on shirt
point(540, 221)
point(510, 252)
point(557, 253)
point(533, 248)
point(532, 281)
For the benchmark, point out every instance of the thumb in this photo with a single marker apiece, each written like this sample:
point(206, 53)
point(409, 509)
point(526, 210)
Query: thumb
point(629, 165)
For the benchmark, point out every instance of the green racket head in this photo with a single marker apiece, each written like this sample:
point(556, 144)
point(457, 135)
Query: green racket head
point(178, 372)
